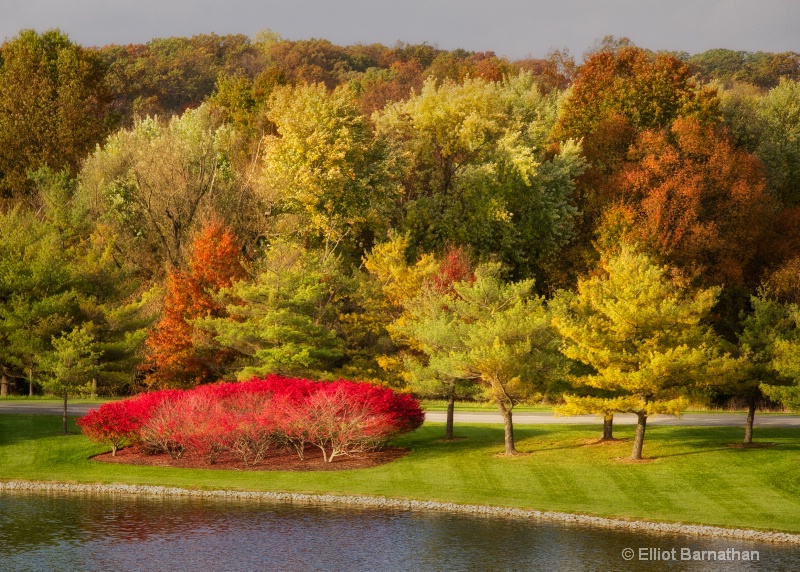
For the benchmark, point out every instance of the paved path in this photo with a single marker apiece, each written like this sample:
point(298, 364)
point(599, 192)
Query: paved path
point(689, 419)
point(520, 418)
point(46, 408)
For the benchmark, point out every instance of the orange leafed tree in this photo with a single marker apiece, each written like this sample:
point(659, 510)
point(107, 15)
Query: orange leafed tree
point(649, 91)
point(699, 202)
point(176, 354)
point(617, 96)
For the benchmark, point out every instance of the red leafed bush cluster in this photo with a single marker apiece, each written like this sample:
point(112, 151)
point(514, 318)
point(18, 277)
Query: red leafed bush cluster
point(248, 419)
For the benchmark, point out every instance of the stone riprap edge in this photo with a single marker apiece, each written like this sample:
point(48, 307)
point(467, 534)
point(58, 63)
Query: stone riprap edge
point(413, 505)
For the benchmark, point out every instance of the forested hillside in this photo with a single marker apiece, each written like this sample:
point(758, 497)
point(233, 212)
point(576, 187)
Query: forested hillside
point(447, 222)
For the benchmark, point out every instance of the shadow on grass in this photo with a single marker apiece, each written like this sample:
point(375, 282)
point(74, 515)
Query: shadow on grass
point(698, 451)
point(699, 440)
point(18, 428)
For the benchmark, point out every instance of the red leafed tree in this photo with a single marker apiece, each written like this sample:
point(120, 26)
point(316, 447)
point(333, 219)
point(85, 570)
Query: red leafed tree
point(455, 266)
point(699, 202)
point(176, 356)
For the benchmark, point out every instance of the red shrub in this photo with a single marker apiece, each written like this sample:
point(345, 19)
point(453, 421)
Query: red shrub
point(340, 421)
point(141, 407)
point(253, 429)
point(161, 433)
point(109, 424)
point(247, 419)
point(344, 417)
point(202, 425)
point(119, 422)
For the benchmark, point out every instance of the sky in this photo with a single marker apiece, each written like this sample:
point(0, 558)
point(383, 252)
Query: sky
point(513, 28)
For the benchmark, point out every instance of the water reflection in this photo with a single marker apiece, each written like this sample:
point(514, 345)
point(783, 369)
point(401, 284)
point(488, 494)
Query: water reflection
point(87, 532)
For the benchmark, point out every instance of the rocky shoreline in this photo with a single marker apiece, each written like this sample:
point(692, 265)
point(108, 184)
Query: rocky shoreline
point(403, 504)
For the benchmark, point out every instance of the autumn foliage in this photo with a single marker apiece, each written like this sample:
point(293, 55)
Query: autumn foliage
point(454, 267)
point(119, 423)
point(250, 418)
point(174, 356)
point(698, 201)
point(648, 91)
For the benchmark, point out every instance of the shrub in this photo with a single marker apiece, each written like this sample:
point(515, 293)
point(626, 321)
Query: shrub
point(201, 424)
point(109, 424)
point(341, 419)
point(249, 418)
point(161, 432)
point(253, 427)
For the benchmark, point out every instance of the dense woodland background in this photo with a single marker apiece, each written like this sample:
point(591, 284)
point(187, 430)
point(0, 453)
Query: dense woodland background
point(216, 207)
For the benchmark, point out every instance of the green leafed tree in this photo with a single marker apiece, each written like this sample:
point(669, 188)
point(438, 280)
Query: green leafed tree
point(784, 351)
point(475, 172)
point(284, 319)
point(603, 404)
point(56, 270)
point(389, 278)
point(152, 186)
point(37, 296)
point(323, 171)
point(779, 145)
point(494, 333)
point(426, 371)
point(643, 335)
point(762, 342)
point(53, 106)
point(71, 365)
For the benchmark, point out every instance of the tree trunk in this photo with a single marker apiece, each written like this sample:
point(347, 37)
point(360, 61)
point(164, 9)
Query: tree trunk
point(30, 382)
point(451, 405)
point(508, 428)
point(608, 427)
point(64, 418)
point(94, 387)
point(639, 440)
point(3, 384)
point(748, 428)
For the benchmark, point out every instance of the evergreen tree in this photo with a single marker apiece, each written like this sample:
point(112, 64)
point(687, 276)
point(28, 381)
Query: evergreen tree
point(284, 320)
point(72, 364)
point(642, 334)
point(495, 333)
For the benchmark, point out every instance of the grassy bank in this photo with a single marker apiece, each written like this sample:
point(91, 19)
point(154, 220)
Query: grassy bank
point(693, 475)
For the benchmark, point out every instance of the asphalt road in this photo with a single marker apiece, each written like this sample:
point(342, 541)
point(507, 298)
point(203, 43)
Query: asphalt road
point(46, 408)
point(689, 419)
point(522, 418)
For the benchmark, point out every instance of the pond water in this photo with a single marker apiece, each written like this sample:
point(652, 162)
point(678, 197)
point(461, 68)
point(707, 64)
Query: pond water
point(93, 532)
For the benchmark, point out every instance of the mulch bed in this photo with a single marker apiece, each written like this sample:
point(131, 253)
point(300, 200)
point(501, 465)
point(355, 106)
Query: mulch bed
point(275, 460)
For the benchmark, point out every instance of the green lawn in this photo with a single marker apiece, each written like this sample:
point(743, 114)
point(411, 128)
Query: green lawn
point(694, 476)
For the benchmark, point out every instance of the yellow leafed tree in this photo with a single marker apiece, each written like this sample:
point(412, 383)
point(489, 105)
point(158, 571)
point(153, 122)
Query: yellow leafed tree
point(643, 335)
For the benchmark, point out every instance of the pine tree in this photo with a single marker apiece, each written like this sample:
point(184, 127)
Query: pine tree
point(642, 334)
point(72, 364)
point(483, 329)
